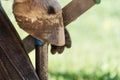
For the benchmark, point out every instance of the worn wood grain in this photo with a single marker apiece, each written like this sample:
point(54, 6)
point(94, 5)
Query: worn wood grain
point(28, 43)
point(74, 9)
point(7, 71)
point(4, 75)
point(13, 57)
point(70, 13)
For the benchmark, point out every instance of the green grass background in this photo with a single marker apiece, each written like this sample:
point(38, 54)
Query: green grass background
point(95, 51)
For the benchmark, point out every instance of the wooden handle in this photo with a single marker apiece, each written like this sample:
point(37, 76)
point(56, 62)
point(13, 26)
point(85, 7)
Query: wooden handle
point(42, 61)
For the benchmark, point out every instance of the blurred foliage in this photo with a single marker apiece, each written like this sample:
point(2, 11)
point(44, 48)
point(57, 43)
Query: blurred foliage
point(95, 52)
point(83, 75)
